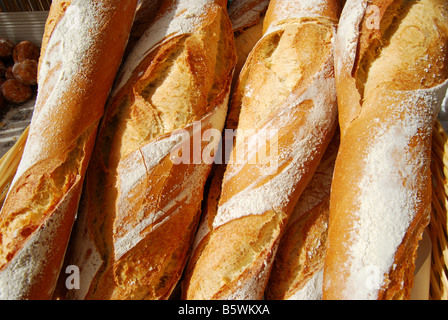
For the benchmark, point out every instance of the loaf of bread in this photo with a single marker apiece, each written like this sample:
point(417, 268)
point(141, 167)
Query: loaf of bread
point(287, 119)
point(82, 49)
point(297, 271)
point(141, 202)
point(391, 68)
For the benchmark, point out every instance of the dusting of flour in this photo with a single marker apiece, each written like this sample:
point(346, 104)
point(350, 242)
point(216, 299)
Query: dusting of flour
point(348, 33)
point(276, 193)
point(182, 17)
point(389, 197)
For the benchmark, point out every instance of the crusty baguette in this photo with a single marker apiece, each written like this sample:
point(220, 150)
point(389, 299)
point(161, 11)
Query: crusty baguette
point(282, 94)
point(297, 271)
point(391, 71)
point(140, 208)
point(82, 48)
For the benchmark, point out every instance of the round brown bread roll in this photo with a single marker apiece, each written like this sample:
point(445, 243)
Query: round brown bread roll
point(6, 47)
point(26, 72)
point(25, 50)
point(15, 92)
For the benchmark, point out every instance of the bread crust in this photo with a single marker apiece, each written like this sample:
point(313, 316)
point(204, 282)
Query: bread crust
point(245, 14)
point(144, 15)
point(391, 74)
point(75, 77)
point(140, 208)
point(253, 207)
point(297, 271)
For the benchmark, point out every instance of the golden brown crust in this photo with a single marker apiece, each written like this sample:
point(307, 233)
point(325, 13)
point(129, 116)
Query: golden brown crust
point(254, 206)
point(140, 209)
point(36, 219)
point(247, 20)
point(56, 13)
point(300, 256)
point(144, 15)
point(245, 14)
point(389, 91)
point(298, 265)
point(279, 10)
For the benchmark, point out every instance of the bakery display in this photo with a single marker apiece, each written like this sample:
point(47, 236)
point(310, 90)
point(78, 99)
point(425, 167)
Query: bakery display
point(214, 149)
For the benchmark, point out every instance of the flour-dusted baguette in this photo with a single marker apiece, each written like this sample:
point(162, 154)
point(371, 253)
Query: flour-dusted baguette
point(391, 71)
point(141, 202)
point(297, 271)
point(288, 116)
point(82, 49)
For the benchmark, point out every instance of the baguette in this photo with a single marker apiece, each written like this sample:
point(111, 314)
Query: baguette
point(293, 105)
point(140, 207)
point(391, 73)
point(297, 271)
point(82, 48)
